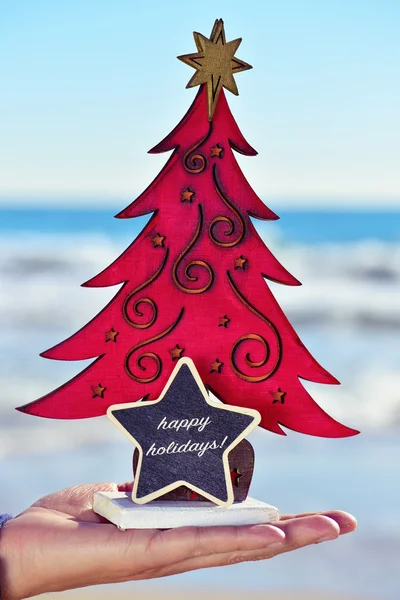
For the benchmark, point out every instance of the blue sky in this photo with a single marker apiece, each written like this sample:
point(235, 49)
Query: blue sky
point(88, 86)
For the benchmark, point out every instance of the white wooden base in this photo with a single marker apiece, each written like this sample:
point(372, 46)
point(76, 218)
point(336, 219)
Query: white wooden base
point(118, 508)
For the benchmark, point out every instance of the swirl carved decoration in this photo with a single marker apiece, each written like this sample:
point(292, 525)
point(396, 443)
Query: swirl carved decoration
point(140, 360)
point(146, 301)
point(222, 219)
point(195, 162)
point(194, 263)
point(149, 323)
point(272, 356)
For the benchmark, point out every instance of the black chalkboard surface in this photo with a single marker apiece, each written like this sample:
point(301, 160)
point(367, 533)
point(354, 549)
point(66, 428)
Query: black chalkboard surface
point(183, 438)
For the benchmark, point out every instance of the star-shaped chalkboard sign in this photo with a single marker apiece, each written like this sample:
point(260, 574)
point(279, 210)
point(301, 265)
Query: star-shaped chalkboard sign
point(183, 438)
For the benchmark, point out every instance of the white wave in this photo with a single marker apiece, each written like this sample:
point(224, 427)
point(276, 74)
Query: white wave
point(355, 283)
point(50, 437)
point(350, 293)
point(40, 282)
point(371, 404)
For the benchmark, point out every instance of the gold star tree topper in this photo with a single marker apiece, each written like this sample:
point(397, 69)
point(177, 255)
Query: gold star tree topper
point(215, 64)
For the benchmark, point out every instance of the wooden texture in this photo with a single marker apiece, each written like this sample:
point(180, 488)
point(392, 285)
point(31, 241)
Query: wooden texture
point(118, 509)
point(215, 63)
point(183, 438)
point(241, 467)
point(197, 262)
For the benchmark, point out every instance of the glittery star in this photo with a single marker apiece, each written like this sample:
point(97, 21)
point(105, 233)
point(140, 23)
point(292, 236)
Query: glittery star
point(216, 151)
point(111, 335)
point(215, 64)
point(98, 391)
point(278, 396)
point(240, 262)
point(187, 195)
point(176, 352)
point(158, 240)
point(216, 366)
point(223, 321)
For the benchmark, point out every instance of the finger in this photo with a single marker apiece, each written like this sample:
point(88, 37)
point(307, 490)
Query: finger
point(77, 501)
point(165, 548)
point(347, 523)
point(298, 534)
point(202, 541)
point(307, 530)
point(213, 560)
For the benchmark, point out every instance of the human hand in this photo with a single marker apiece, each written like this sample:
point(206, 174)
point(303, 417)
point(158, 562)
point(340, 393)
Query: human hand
point(59, 543)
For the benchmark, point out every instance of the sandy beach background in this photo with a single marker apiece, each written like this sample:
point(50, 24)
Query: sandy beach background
point(141, 592)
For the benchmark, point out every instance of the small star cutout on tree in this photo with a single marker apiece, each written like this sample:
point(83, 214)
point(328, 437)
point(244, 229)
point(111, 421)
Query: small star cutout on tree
point(216, 151)
point(158, 241)
point(111, 336)
point(241, 262)
point(183, 438)
point(187, 195)
point(236, 476)
point(278, 396)
point(98, 391)
point(176, 352)
point(216, 366)
point(224, 321)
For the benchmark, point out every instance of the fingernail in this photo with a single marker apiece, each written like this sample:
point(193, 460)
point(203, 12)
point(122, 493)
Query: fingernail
point(275, 547)
point(326, 538)
point(348, 527)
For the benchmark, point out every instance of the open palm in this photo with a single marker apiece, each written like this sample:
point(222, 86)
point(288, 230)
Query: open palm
point(59, 543)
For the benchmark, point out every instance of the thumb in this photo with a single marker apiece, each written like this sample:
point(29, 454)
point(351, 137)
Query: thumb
point(77, 501)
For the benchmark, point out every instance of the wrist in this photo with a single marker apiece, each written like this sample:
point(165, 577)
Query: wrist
point(11, 582)
point(3, 556)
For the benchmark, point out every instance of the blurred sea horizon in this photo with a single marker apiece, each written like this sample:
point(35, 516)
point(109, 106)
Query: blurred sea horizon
point(347, 312)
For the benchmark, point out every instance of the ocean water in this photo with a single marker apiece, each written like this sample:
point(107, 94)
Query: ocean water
point(347, 313)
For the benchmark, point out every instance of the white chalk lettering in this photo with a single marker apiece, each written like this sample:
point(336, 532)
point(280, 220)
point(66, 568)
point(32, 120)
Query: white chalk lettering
point(151, 450)
point(199, 448)
point(183, 447)
point(193, 447)
point(196, 423)
point(162, 423)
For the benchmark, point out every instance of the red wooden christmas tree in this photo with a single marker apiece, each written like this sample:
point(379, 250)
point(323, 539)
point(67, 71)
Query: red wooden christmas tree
point(193, 282)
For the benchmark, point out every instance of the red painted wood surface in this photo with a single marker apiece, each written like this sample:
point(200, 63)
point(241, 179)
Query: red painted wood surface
point(193, 286)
